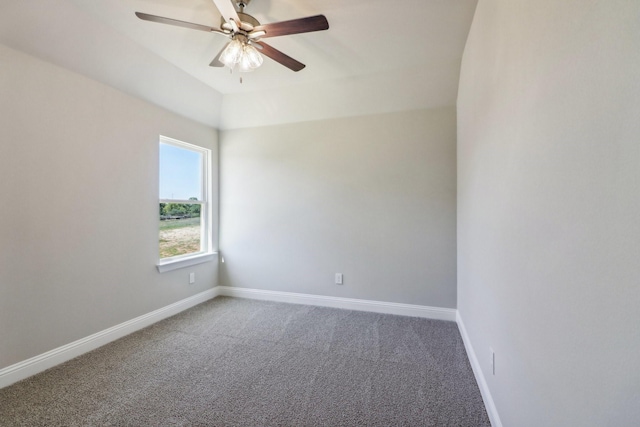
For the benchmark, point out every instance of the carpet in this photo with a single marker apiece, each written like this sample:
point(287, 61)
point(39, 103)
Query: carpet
point(239, 362)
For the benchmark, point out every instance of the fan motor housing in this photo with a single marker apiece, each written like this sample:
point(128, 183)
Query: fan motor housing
point(248, 19)
point(244, 17)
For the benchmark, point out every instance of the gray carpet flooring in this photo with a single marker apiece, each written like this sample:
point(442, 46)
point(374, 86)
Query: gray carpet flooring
point(237, 362)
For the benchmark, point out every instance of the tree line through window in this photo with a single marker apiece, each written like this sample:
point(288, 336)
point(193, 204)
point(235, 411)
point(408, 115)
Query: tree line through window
point(179, 210)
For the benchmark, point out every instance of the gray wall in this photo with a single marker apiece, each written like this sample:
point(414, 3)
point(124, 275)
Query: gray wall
point(549, 208)
point(78, 223)
point(370, 197)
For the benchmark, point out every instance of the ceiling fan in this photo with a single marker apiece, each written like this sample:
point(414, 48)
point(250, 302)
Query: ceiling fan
point(246, 34)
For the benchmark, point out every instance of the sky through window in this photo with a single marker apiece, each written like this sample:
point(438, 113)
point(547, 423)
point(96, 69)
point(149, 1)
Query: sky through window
point(180, 173)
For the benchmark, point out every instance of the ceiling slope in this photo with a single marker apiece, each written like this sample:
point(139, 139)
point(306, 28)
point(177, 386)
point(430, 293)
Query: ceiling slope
point(59, 32)
point(377, 56)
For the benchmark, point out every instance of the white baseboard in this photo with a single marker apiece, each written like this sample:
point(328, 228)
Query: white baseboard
point(346, 303)
point(489, 404)
point(44, 361)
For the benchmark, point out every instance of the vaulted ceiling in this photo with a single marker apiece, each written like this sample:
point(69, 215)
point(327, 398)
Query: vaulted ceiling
point(377, 56)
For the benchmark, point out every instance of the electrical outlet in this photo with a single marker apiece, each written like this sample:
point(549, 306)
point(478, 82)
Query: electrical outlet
point(192, 278)
point(338, 278)
point(493, 361)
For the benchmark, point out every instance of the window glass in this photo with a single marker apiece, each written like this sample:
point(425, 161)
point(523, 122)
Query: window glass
point(183, 204)
point(180, 173)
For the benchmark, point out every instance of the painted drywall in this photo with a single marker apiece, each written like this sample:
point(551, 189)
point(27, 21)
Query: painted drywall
point(370, 197)
point(413, 89)
point(548, 208)
point(78, 228)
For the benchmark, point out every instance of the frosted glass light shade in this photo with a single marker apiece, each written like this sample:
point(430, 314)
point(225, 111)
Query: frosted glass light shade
point(245, 64)
point(232, 54)
point(243, 54)
point(254, 58)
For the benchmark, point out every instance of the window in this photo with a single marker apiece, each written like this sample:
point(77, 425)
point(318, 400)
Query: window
point(184, 205)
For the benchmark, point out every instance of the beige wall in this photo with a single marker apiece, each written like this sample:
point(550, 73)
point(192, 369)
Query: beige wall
point(78, 228)
point(549, 208)
point(370, 197)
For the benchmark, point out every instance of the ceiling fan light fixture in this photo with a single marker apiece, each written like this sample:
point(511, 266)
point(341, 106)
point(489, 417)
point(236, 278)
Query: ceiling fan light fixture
point(232, 53)
point(253, 56)
point(240, 52)
point(245, 65)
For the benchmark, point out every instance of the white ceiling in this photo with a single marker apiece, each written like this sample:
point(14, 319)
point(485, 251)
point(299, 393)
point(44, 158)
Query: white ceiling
point(377, 56)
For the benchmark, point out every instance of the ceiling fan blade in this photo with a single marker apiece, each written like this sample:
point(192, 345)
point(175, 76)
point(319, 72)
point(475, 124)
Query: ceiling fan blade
point(227, 10)
point(295, 26)
point(216, 61)
point(162, 20)
point(280, 57)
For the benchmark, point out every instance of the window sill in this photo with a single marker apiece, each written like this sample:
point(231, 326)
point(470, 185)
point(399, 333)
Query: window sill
point(163, 267)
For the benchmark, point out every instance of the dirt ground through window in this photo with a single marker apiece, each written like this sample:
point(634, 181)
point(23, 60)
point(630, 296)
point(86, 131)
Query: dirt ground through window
point(179, 241)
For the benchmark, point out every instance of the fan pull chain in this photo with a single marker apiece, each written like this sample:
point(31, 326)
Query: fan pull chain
point(231, 72)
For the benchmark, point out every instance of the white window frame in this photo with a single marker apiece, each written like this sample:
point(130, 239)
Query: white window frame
point(206, 252)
